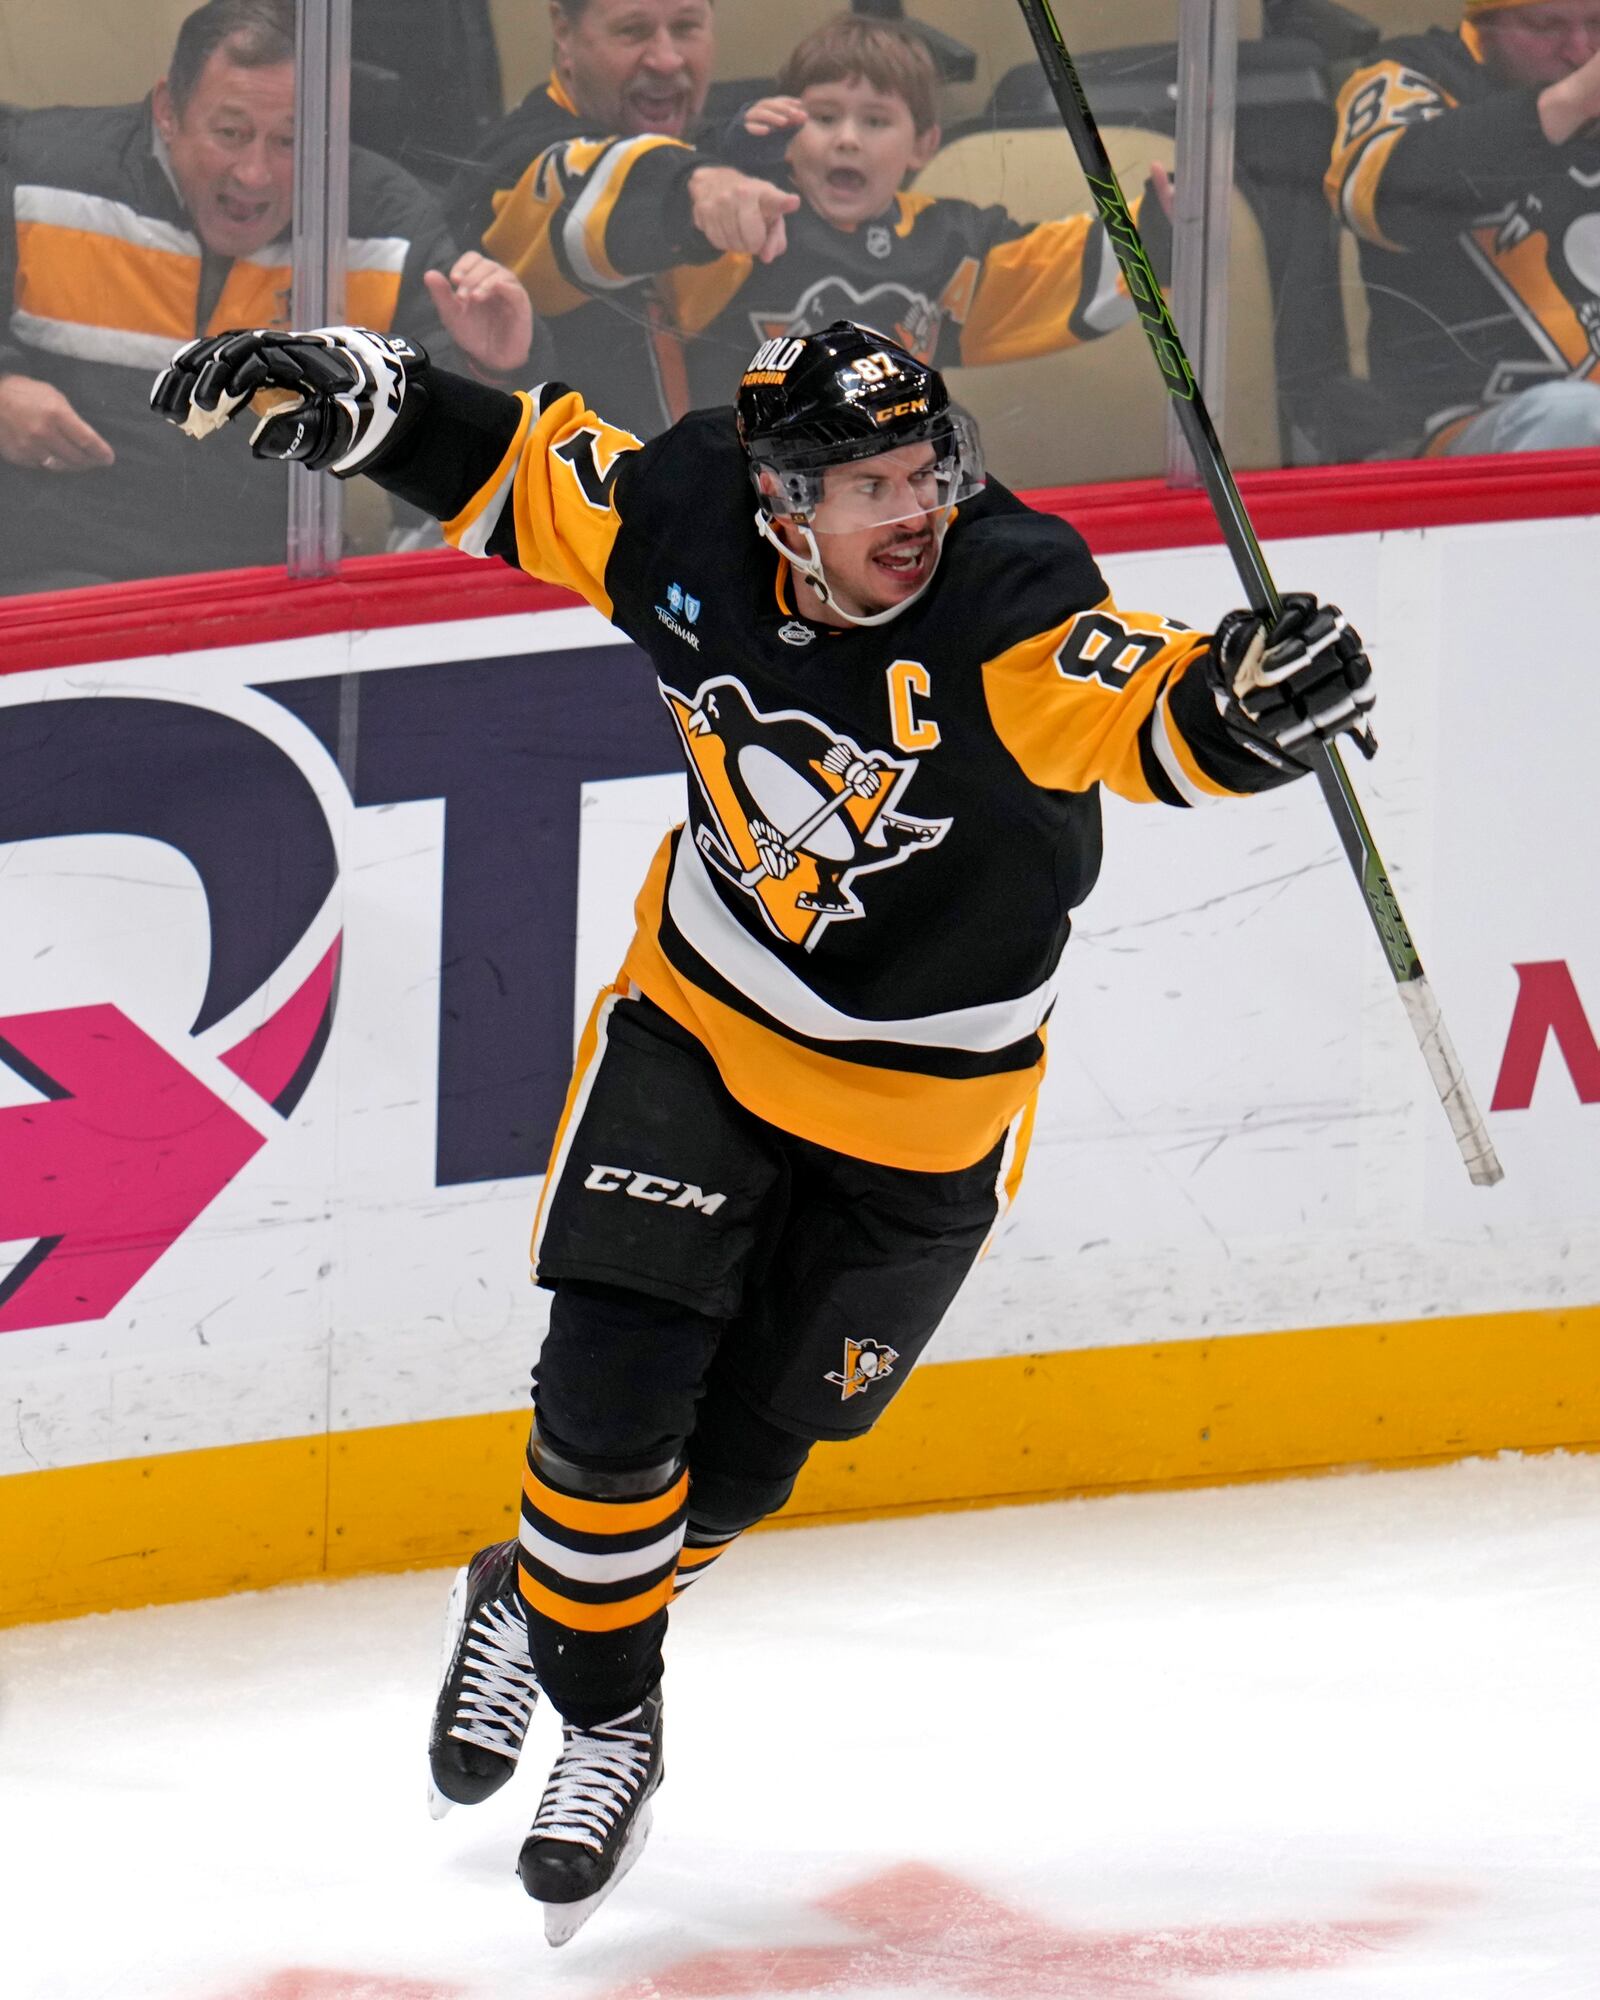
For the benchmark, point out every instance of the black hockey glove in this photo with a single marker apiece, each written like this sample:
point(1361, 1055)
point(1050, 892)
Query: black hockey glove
point(1308, 675)
point(336, 397)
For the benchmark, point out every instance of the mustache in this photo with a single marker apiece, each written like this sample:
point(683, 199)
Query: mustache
point(911, 538)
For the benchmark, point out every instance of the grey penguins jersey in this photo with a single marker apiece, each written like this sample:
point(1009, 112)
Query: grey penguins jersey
point(888, 828)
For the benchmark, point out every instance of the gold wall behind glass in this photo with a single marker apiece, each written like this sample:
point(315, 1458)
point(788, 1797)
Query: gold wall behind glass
point(85, 51)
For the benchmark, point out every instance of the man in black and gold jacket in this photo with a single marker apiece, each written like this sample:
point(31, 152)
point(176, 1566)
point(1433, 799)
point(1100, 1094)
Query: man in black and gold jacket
point(626, 75)
point(801, 1110)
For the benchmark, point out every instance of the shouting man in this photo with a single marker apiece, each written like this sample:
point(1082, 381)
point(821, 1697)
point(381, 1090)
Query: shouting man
point(627, 75)
point(132, 226)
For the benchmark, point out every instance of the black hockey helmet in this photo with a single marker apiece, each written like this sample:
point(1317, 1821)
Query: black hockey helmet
point(810, 401)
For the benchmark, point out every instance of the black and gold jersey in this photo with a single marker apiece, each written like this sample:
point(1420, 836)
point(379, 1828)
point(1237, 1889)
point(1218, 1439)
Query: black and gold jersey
point(1480, 241)
point(888, 827)
point(949, 280)
point(624, 338)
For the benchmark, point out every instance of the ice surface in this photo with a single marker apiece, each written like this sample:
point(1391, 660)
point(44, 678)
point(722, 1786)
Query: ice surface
point(1330, 1740)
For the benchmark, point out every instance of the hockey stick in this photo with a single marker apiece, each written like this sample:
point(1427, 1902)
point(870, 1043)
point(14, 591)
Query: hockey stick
point(1361, 850)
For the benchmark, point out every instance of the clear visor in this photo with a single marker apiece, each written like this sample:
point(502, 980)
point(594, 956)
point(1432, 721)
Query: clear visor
point(906, 483)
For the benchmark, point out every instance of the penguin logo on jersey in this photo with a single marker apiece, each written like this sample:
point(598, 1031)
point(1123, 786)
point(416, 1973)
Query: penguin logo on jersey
point(865, 1362)
point(1542, 289)
point(909, 317)
point(797, 813)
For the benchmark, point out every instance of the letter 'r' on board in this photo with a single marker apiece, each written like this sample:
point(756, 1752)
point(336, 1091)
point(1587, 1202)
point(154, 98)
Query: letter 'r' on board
point(909, 678)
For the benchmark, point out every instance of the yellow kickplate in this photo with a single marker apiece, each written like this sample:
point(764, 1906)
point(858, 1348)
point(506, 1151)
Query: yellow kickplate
point(964, 1433)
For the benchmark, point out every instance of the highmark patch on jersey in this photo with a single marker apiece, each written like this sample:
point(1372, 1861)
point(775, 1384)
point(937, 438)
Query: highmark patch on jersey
point(798, 812)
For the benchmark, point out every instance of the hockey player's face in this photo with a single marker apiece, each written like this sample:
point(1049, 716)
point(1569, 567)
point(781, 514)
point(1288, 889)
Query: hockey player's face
point(879, 527)
point(637, 65)
point(232, 153)
point(855, 149)
point(1533, 47)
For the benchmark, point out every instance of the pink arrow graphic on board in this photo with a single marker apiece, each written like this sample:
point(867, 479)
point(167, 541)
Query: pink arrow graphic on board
point(111, 1171)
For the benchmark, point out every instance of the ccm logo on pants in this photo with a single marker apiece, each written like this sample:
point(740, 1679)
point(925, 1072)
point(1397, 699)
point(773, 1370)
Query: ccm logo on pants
point(651, 1187)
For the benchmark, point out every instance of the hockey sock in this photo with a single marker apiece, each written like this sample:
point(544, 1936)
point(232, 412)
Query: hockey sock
point(599, 1552)
point(701, 1547)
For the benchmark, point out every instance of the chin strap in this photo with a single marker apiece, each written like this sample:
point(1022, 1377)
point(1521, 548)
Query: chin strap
point(810, 567)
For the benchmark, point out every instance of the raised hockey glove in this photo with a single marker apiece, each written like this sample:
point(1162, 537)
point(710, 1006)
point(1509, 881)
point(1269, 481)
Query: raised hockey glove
point(332, 399)
point(1307, 675)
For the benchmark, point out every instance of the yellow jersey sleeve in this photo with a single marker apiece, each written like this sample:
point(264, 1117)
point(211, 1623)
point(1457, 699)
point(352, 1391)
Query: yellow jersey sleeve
point(1117, 698)
point(1376, 109)
point(1051, 287)
point(549, 506)
point(590, 216)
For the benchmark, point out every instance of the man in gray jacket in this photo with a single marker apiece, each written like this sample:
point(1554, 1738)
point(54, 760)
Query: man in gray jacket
point(136, 227)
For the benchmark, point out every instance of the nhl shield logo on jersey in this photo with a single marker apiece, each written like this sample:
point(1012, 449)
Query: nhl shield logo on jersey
point(865, 1362)
point(797, 813)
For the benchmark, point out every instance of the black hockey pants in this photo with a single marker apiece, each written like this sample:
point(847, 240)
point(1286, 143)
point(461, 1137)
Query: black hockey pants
point(725, 1296)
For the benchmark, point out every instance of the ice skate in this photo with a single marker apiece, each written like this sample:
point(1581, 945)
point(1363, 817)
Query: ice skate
point(594, 1818)
point(487, 1690)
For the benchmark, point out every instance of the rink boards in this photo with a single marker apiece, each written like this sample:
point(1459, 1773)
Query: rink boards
point(294, 939)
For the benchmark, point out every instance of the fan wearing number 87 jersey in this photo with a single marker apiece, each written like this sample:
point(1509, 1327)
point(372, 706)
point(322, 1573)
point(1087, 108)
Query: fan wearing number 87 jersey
point(1466, 166)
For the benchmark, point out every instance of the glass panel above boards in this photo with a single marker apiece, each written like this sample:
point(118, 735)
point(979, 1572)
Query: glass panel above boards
point(148, 160)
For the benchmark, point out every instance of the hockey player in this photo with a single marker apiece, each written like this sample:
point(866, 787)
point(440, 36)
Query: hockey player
point(1467, 165)
point(802, 1108)
point(824, 225)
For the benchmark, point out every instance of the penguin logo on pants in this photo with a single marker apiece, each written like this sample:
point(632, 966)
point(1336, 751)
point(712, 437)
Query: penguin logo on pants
point(865, 1362)
point(797, 813)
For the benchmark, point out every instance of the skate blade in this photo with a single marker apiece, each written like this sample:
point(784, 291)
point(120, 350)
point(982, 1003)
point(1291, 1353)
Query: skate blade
point(455, 1618)
point(563, 1921)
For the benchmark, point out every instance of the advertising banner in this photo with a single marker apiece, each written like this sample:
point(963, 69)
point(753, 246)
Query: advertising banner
point(294, 941)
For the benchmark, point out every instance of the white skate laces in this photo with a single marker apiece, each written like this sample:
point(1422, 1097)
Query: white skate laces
point(598, 1775)
point(498, 1691)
